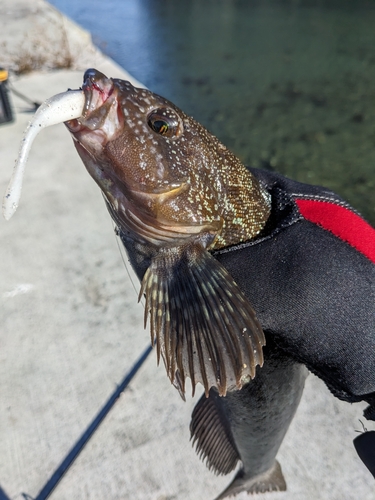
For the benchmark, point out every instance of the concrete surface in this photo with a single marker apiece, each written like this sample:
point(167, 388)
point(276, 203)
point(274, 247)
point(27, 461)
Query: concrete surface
point(72, 329)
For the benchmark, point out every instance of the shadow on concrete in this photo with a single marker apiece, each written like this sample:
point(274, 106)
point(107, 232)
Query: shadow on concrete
point(3, 495)
point(66, 463)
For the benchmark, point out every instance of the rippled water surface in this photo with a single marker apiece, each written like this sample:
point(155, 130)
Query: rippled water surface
point(288, 85)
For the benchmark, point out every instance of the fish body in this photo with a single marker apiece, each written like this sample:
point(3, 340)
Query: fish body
point(176, 193)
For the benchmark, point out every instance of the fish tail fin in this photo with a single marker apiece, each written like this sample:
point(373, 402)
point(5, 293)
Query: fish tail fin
point(271, 480)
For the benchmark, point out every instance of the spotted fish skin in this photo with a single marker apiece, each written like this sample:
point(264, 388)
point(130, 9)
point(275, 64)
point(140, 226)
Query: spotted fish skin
point(176, 193)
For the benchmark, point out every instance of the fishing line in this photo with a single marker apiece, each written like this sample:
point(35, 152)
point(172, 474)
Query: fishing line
point(16, 92)
point(124, 260)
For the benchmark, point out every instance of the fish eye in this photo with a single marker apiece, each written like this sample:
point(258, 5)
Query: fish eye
point(165, 122)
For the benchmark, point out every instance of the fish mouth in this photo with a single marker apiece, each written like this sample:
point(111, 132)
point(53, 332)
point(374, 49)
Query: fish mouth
point(101, 116)
point(97, 88)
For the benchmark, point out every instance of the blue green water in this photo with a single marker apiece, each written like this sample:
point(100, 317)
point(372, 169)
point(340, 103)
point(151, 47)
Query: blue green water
point(288, 85)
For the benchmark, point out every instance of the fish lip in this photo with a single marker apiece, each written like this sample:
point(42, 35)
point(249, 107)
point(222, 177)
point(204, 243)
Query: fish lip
point(97, 89)
point(101, 115)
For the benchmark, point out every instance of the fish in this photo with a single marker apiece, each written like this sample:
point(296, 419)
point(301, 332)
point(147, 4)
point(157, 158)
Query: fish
point(176, 195)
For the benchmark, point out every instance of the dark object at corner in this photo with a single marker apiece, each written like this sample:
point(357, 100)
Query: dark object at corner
point(6, 113)
point(365, 447)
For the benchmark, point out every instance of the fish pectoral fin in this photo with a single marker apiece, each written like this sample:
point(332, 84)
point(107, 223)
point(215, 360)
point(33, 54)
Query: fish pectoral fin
point(203, 325)
point(271, 480)
point(211, 435)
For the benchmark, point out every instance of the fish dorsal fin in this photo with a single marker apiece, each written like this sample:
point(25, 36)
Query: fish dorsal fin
point(210, 433)
point(203, 325)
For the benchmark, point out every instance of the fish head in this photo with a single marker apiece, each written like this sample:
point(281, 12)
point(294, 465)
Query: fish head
point(152, 162)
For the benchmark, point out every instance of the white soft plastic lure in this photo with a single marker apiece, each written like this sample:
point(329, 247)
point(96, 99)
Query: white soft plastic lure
point(57, 109)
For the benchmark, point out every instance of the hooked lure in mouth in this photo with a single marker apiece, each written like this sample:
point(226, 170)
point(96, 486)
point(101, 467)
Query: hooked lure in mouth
point(175, 193)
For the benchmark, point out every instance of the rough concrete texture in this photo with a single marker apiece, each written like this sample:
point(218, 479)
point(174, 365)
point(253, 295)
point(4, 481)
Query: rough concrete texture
point(72, 329)
point(35, 36)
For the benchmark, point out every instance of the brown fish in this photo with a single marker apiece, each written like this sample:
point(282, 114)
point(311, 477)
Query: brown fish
point(175, 193)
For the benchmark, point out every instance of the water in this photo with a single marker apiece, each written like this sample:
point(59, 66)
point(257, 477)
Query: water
point(287, 85)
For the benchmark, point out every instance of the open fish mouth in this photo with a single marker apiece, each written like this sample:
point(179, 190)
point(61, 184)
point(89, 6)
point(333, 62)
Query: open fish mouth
point(101, 115)
point(97, 88)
